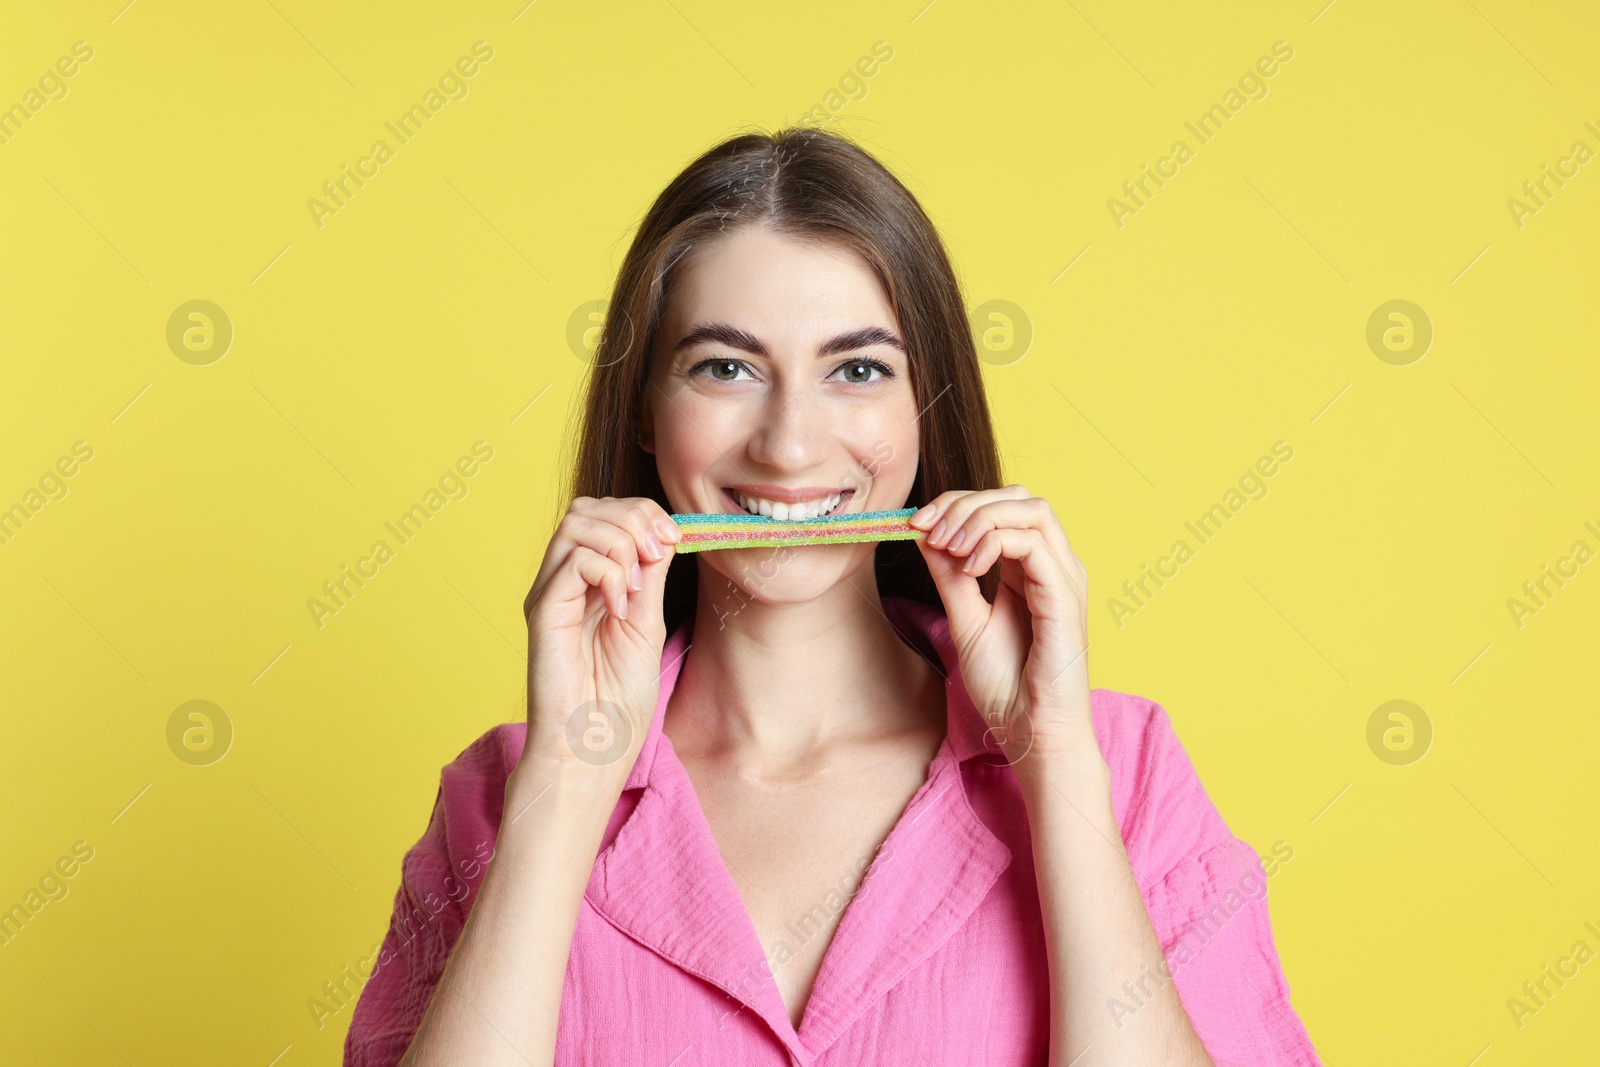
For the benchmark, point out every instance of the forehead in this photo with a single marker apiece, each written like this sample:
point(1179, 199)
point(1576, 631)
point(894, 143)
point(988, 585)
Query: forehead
point(775, 285)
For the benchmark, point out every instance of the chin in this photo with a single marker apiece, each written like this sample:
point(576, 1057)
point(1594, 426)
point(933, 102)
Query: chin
point(792, 575)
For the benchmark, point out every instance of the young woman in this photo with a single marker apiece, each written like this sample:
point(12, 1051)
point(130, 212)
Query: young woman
point(822, 805)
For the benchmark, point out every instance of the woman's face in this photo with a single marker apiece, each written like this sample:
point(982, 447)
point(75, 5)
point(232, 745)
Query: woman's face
point(778, 383)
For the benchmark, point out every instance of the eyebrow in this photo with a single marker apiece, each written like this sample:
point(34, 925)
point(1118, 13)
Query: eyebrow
point(743, 340)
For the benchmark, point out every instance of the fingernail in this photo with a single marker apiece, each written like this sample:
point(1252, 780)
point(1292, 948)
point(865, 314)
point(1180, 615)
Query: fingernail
point(933, 538)
point(923, 514)
point(637, 577)
point(955, 542)
point(654, 550)
point(668, 530)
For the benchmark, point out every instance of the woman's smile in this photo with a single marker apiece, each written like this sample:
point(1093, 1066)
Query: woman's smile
point(807, 502)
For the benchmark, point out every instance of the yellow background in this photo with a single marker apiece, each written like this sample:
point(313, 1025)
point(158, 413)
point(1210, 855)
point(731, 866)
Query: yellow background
point(1229, 313)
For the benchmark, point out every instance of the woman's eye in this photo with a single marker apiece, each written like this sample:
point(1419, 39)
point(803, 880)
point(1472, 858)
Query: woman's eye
point(860, 371)
point(723, 370)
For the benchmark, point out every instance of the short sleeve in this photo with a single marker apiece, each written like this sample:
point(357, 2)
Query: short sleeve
point(439, 879)
point(1206, 894)
point(408, 969)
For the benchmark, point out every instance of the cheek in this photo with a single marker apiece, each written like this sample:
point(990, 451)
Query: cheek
point(686, 448)
point(676, 432)
point(887, 449)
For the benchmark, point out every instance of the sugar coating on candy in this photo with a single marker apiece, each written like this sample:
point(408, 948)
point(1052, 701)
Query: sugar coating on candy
point(703, 531)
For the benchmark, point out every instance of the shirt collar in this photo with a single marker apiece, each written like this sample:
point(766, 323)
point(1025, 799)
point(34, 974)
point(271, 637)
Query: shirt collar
point(924, 628)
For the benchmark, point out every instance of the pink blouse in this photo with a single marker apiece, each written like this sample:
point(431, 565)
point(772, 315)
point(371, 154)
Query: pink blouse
point(939, 957)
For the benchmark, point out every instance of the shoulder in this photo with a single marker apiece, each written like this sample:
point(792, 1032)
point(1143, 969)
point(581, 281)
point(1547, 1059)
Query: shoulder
point(472, 786)
point(439, 878)
point(1204, 889)
point(1136, 737)
point(1161, 806)
point(488, 761)
point(449, 859)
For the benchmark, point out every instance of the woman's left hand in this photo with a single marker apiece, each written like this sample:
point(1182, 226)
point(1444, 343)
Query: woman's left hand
point(1023, 657)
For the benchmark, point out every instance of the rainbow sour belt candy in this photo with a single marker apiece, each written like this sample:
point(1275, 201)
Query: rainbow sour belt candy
point(703, 532)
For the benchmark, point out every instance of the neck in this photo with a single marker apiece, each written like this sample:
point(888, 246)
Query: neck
point(773, 686)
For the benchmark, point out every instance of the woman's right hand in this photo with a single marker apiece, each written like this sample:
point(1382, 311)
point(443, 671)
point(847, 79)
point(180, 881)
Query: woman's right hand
point(594, 641)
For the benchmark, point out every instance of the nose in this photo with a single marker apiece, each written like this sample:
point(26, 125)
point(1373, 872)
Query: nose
point(794, 428)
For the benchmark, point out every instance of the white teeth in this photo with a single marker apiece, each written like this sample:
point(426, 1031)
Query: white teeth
point(784, 511)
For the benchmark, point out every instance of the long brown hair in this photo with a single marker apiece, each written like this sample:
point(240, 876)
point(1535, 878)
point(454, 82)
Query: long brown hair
point(812, 185)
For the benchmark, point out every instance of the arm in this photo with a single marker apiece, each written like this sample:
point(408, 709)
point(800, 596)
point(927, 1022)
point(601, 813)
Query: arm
point(1098, 936)
point(498, 1001)
point(499, 998)
point(1024, 664)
